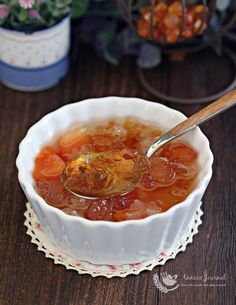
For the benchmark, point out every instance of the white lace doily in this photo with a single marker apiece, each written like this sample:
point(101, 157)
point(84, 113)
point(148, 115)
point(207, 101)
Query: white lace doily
point(39, 237)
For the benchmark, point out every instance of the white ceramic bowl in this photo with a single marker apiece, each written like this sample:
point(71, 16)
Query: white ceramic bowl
point(103, 242)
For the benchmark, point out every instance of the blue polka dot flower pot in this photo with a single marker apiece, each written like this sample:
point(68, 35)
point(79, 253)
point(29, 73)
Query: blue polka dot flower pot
point(34, 61)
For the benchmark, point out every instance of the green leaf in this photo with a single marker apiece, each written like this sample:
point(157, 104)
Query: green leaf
point(23, 15)
point(62, 3)
point(13, 2)
point(105, 37)
point(56, 13)
point(110, 57)
point(79, 8)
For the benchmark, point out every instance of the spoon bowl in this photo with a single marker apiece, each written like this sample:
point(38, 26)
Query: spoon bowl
point(108, 174)
point(104, 174)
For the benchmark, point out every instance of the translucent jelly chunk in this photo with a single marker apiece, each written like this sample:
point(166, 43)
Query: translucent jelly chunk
point(179, 152)
point(100, 210)
point(137, 210)
point(162, 171)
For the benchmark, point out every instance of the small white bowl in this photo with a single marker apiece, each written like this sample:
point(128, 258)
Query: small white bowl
point(103, 242)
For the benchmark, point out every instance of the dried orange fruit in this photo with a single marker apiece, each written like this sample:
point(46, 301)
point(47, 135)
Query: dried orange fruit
point(175, 9)
point(171, 22)
point(48, 166)
point(199, 8)
point(143, 28)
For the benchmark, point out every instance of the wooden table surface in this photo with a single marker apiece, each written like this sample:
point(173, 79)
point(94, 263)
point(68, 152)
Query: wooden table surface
point(28, 278)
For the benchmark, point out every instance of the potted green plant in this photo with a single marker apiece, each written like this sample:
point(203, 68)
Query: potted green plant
point(34, 42)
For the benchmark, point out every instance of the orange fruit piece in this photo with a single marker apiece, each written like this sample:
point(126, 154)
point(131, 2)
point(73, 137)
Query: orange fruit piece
point(48, 166)
point(171, 22)
point(172, 35)
point(189, 18)
point(73, 140)
point(160, 11)
point(175, 9)
point(143, 28)
point(199, 9)
point(145, 12)
point(187, 33)
point(199, 26)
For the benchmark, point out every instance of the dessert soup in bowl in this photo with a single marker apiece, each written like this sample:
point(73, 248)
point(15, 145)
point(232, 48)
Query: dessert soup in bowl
point(106, 242)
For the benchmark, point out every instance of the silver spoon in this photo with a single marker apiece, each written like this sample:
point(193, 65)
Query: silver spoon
point(108, 174)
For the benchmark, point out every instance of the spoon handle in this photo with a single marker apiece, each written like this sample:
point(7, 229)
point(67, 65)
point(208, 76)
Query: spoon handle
point(198, 118)
point(206, 113)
